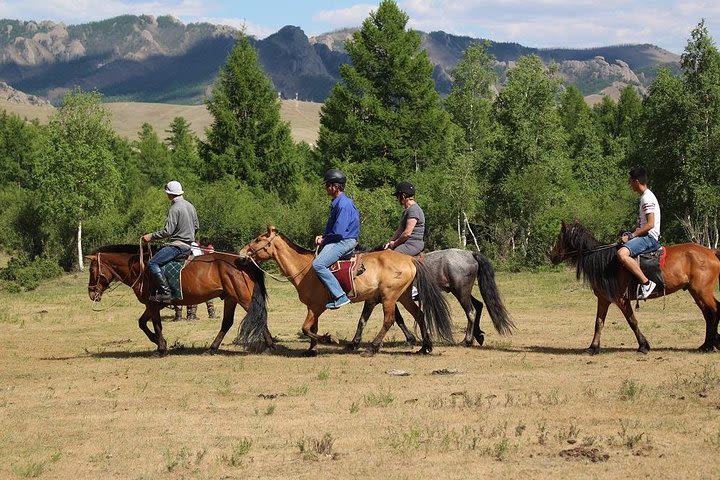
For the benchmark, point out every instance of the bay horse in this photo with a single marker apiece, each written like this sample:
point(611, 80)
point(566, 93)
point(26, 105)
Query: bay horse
point(205, 277)
point(455, 271)
point(387, 278)
point(688, 266)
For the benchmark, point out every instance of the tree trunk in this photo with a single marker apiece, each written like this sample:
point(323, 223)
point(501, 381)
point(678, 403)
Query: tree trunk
point(79, 247)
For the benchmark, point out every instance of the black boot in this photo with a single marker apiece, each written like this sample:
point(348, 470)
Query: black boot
point(162, 294)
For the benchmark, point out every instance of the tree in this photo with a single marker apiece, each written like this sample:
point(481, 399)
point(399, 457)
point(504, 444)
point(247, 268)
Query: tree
point(152, 156)
point(74, 170)
point(680, 142)
point(247, 138)
point(532, 183)
point(470, 106)
point(183, 149)
point(385, 112)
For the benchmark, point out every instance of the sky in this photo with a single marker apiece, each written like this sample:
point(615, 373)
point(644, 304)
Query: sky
point(541, 23)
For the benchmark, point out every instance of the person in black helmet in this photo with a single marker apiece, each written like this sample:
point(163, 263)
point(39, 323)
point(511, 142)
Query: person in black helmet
point(340, 237)
point(410, 234)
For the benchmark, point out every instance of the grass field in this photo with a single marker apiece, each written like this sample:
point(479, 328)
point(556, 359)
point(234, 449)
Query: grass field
point(128, 117)
point(83, 396)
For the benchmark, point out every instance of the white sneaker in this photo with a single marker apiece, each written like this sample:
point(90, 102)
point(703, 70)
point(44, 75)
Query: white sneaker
point(644, 291)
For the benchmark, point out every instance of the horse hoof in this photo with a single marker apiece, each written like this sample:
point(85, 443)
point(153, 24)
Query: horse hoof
point(706, 348)
point(351, 347)
point(370, 352)
point(411, 342)
point(592, 351)
point(310, 353)
point(425, 350)
point(480, 339)
point(211, 351)
point(467, 343)
point(160, 353)
point(645, 350)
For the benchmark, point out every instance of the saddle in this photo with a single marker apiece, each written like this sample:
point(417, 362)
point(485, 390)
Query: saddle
point(172, 270)
point(651, 265)
point(345, 271)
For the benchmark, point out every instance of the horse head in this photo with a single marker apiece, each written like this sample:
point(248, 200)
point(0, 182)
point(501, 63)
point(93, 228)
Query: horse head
point(261, 247)
point(559, 251)
point(100, 277)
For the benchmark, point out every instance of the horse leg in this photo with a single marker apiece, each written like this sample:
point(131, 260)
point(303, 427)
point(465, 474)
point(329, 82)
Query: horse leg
point(157, 326)
point(227, 323)
point(419, 316)
point(600, 314)
point(477, 331)
point(626, 308)
point(367, 310)
point(409, 336)
point(310, 328)
point(142, 323)
point(473, 318)
point(709, 308)
point(388, 319)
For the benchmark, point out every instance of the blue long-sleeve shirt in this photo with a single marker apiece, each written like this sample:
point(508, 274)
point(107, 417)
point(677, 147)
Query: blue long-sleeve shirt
point(343, 222)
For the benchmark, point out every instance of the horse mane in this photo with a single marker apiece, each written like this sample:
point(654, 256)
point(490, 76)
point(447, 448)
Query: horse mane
point(124, 248)
point(598, 266)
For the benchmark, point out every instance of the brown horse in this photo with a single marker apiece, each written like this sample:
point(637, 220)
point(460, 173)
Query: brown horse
point(688, 266)
point(387, 278)
point(205, 277)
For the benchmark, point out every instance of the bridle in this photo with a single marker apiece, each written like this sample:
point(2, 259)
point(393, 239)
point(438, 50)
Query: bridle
point(99, 288)
point(253, 252)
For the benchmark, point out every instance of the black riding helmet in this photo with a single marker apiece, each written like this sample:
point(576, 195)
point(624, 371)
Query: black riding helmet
point(406, 188)
point(335, 176)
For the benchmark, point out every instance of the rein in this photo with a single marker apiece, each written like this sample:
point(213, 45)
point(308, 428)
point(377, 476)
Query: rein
point(566, 255)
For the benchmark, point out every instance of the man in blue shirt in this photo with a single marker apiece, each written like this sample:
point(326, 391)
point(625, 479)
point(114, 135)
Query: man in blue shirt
point(341, 233)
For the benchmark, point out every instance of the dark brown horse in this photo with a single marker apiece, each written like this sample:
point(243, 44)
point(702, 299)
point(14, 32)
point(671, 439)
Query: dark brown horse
point(387, 278)
point(205, 277)
point(688, 266)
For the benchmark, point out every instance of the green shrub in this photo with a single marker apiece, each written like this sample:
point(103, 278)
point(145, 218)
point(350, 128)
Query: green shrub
point(27, 274)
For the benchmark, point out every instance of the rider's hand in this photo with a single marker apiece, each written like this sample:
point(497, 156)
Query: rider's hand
point(147, 237)
point(318, 239)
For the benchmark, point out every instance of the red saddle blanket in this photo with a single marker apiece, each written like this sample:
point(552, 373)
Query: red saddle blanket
point(345, 272)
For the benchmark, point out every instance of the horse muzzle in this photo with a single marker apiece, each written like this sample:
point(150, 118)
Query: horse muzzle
point(95, 295)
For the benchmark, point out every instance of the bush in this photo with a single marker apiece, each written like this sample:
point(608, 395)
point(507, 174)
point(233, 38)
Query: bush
point(22, 273)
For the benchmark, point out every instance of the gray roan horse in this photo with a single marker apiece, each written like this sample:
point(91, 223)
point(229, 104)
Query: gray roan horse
point(455, 271)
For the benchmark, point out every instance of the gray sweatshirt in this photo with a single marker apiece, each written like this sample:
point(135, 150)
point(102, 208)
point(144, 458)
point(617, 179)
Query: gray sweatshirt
point(181, 225)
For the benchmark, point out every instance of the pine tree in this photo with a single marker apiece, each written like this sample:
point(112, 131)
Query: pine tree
point(385, 112)
point(247, 139)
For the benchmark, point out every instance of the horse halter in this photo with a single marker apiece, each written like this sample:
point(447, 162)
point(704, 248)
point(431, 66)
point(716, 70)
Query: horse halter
point(253, 252)
point(100, 276)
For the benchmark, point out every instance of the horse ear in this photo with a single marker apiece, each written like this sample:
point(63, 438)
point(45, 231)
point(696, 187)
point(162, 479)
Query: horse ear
point(92, 258)
point(271, 229)
point(564, 227)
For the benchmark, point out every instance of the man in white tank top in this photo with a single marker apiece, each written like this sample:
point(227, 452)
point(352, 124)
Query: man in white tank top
point(645, 237)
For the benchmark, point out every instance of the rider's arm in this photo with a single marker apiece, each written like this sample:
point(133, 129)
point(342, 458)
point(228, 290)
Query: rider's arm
point(400, 238)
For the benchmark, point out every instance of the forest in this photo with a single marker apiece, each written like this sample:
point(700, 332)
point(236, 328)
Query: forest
point(496, 169)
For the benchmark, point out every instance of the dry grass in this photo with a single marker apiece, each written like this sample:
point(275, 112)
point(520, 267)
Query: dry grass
point(128, 117)
point(82, 396)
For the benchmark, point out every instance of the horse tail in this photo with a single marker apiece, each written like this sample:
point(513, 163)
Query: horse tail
point(434, 306)
point(254, 325)
point(490, 293)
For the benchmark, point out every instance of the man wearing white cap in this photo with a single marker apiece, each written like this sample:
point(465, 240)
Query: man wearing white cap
point(180, 228)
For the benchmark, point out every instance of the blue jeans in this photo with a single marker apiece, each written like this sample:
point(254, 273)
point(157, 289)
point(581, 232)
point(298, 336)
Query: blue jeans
point(330, 254)
point(163, 256)
point(643, 244)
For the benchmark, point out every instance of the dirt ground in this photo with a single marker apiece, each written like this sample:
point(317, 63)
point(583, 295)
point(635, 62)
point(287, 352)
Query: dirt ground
point(83, 396)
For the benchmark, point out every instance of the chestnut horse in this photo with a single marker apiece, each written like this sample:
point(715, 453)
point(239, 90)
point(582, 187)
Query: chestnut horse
point(387, 278)
point(205, 277)
point(688, 266)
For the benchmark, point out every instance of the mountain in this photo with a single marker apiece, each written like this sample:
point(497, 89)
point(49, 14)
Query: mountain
point(149, 59)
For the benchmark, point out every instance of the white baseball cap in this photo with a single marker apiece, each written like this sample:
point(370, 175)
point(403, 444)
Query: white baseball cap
point(174, 188)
